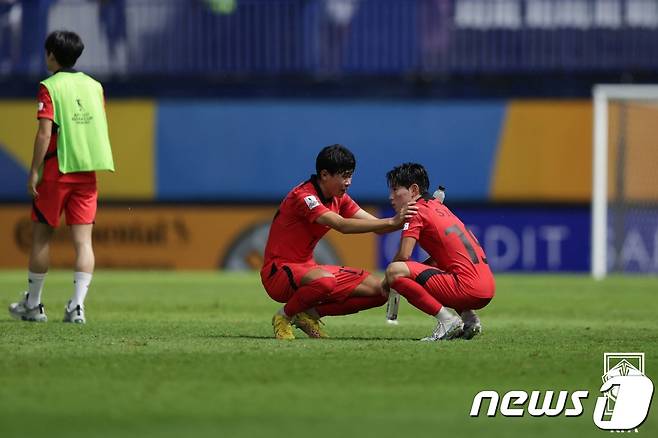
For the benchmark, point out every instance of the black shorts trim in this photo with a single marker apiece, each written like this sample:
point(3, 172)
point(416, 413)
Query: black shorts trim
point(50, 155)
point(40, 217)
point(424, 276)
point(291, 279)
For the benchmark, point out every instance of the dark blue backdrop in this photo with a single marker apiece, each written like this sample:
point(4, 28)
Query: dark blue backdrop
point(519, 238)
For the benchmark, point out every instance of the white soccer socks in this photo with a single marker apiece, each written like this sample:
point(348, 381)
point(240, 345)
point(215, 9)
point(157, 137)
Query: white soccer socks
point(81, 282)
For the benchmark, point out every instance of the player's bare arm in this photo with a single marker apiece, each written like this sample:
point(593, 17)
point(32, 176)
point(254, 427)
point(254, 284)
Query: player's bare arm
point(407, 245)
point(366, 225)
point(397, 267)
point(354, 226)
point(362, 214)
point(40, 147)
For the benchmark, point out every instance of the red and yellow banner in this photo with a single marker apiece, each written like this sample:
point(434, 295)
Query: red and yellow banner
point(174, 237)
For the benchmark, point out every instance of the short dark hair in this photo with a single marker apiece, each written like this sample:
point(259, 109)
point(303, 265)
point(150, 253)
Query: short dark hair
point(335, 159)
point(407, 174)
point(66, 46)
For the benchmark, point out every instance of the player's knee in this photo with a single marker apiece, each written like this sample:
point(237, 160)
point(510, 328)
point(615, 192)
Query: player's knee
point(315, 274)
point(394, 271)
point(41, 235)
point(83, 249)
point(370, 286)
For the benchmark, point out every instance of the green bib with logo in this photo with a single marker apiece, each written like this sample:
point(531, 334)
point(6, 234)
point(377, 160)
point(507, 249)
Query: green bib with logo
point(83, 142)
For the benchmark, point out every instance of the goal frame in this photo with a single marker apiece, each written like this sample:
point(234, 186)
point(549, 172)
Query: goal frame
point(602, 94)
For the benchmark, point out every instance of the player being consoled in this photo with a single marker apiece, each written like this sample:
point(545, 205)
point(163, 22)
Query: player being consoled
point(456, 275)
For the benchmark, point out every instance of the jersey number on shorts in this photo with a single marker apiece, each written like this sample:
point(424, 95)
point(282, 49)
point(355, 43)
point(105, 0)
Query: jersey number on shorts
point(471, 251)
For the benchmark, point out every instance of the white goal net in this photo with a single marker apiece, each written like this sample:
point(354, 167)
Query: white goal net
point(625, 180)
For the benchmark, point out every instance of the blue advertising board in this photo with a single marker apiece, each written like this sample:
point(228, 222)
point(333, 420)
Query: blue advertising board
point(546, 239)
point(633, 240)
point(257, 150)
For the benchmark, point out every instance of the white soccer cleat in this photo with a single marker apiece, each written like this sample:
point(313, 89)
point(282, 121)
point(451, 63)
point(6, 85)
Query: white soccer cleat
point(75, 315)
point(21, 311)
point(444, 332)
point(472, 325)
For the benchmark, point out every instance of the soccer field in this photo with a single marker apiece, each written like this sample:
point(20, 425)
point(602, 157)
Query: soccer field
point(192, 354)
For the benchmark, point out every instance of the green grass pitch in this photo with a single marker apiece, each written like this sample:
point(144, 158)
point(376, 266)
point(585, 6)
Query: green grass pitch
point(191, 354)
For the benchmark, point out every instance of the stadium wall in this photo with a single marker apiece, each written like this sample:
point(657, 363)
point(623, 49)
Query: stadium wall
point(255, 150)
point(239, 157)
point(158, 236)
point(131, 124)
point(161, 236)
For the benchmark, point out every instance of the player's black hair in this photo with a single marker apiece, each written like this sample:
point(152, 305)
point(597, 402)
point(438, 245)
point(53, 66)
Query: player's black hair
point(335, 159)
point(66, 46)
point(407, 174)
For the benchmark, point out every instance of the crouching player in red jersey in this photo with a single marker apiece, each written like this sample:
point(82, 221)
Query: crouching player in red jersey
point(456, 275)
point(290, 275)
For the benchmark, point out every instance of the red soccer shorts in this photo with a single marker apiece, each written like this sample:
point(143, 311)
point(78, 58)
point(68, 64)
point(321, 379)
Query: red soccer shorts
point(447, 288)
point(281, 280)
point(77, 200)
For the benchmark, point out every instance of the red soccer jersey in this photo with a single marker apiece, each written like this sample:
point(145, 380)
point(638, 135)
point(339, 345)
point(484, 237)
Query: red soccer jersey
point(50, 164)
point(448, 242)
point(294, 232)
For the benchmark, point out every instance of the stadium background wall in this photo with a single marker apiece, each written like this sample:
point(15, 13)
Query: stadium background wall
point(162, 236)
point(239, 157)
point(181, 150)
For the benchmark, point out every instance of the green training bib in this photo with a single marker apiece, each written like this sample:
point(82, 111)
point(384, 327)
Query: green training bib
point(83, 142)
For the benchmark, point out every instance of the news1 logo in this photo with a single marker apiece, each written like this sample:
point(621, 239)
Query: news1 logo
point(627, 394)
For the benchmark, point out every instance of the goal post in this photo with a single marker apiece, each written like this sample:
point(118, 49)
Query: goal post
point(622, 117)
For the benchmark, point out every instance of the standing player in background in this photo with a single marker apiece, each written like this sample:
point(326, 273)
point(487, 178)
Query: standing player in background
point(456, 274)
point(72, 142)
point(290, 275)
